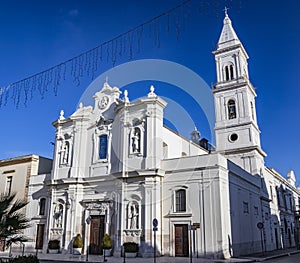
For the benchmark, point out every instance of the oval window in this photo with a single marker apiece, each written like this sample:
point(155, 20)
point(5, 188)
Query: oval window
point(233, 137)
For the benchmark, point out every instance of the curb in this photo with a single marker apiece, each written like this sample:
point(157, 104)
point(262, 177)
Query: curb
point(233, 260)
point(275, 256)
point(61, 260)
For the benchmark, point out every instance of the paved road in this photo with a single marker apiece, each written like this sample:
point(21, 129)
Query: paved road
point(291, 259)
point(287, 259)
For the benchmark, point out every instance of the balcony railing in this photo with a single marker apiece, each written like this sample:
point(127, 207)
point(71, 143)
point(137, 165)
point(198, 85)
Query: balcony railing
point(235, 81)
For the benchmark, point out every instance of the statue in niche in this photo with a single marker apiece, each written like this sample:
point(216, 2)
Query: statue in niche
point(58, 213)
point(136, 139)
point(134, 216)
point(65, 152)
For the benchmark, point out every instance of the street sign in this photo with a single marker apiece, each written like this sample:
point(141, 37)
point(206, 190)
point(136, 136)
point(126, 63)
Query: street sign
point(155, 228)
point(88, 220)
point(191, 227)
point(196, 225)
point(155, 222)
point(260, 225)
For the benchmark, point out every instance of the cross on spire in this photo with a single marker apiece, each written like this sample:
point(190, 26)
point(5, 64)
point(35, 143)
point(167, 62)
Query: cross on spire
point(225, 10)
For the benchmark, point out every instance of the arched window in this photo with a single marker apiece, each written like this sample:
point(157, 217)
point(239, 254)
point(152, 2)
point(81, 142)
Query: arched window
point(278, 196)
point(285, 226)
point(42, 206)
point(231, 109)
point(228, 72)
point(103, 147)
point(180, 199)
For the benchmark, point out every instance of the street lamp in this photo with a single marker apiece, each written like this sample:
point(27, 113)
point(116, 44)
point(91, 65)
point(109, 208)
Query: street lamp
point(88, 221)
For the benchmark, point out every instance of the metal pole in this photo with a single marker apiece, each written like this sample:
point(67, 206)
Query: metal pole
point(104, 259)
point(124, 260)
point(191, 253)
point(87, 253)
point(88, 221)
point(203, 215)
point(154, 246)
point(87, 244)
point(262, 242)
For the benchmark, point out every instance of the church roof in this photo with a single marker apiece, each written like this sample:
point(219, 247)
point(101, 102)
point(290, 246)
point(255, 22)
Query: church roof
point(228, 36)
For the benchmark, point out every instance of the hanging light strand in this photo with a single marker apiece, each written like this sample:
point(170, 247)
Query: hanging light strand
point(87, 63)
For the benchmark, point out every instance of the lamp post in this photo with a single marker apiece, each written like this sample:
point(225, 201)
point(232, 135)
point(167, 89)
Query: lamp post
point(155, 224)
point(191, 253)
point(88, 221)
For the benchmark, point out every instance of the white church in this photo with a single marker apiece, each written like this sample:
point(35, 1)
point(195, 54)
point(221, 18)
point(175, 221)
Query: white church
point(116, 167)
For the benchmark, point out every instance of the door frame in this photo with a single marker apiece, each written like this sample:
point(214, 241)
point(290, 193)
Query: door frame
point(184, 239)
point(100, 233)
point(173, 222)
point(40, 236)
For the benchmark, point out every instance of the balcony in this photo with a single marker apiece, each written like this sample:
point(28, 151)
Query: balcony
point(230, 83)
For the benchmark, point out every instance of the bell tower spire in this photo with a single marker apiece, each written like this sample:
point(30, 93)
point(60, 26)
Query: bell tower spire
point(237, 132)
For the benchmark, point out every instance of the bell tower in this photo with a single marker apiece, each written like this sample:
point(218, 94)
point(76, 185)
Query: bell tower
point(236, 129)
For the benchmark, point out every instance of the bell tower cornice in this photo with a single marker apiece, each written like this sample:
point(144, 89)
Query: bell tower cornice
point(229, 85)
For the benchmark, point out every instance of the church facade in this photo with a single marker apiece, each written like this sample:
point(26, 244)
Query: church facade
point(116, 168)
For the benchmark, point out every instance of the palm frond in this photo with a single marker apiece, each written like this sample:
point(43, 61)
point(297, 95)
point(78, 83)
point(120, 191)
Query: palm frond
point(12, 219)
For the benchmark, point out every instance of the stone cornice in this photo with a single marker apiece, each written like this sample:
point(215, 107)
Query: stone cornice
point(233, 84)
point(178, 214)
point(19, 160)
point(226, 49)
point(238, 125)
point(281, 178)
point(245, 149)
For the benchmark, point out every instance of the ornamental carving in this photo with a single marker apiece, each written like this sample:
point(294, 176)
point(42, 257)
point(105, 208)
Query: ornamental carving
point(57, 232)
point(133, 232)
point(103, 121)
point(101, 207)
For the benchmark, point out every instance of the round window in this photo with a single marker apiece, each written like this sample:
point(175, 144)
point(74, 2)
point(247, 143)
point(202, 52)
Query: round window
point(233, 137)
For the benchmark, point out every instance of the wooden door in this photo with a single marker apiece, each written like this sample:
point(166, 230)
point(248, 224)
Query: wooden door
point(181, 240)
point(276, 238)
point(96, 235)
point(2, 244)
point(39, 236)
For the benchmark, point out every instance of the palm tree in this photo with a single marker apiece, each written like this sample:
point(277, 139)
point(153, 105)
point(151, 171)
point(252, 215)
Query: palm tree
point(12, 219)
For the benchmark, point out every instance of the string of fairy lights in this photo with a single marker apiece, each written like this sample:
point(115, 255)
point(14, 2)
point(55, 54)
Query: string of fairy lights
point(127, 45)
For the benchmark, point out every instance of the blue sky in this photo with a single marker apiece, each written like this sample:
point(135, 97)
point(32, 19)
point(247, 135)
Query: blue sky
point(36, 35)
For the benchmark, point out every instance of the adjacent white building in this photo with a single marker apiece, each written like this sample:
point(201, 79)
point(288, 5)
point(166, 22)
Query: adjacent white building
point(116, 167)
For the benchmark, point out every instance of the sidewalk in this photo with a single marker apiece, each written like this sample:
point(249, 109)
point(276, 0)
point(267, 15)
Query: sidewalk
point(96, 259)
point(271, 254)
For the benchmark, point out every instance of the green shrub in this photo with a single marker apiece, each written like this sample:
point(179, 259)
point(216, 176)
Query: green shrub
point(54, 244)
point(131, 247)
point(24, 259)
point(78, 243)
point(107, 242)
